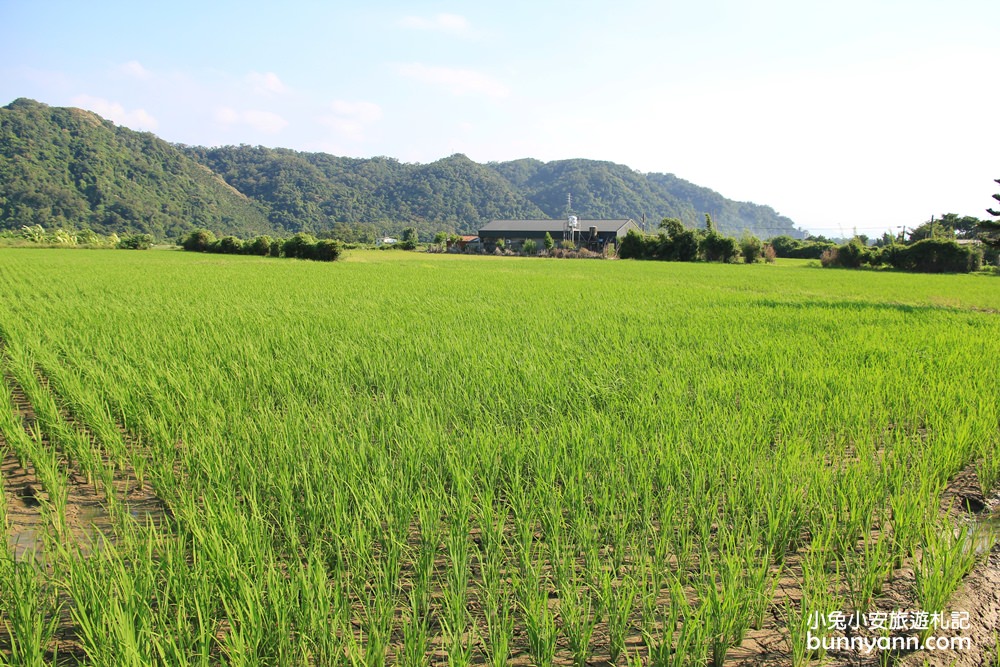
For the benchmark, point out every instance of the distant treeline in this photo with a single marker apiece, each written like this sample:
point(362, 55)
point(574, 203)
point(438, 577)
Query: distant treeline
point(677, 243)
point(301, 246)
point(920, 254)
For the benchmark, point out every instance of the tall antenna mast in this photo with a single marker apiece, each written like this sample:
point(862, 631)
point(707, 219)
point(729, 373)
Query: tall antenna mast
point(569, 203)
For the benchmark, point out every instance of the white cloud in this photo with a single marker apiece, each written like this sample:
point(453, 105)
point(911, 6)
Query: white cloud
point(457, 81)
point(138, 119)
point(452, 23)
point(134, 68)
point(351, 119)
point(345, 127)
point(266, 83)
point(263, 121)
point(364, 112)
point(227, 116)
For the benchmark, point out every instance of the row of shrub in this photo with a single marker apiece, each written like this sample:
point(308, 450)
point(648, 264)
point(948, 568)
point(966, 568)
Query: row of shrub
point(547, 248)
point(558, 252)
point(301, 246)
point(786, 246)
point(676, 243)
point(135, 242)
point(65, 238)
point(934, 255)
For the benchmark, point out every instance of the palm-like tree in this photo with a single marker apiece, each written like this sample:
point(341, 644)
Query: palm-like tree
point(989, 230)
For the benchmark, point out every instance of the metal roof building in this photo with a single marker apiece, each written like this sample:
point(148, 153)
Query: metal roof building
point(588, 232)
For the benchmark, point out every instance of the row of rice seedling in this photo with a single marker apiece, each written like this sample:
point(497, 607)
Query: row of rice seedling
point(25, 439)
point(372, 463)
point(28, 604)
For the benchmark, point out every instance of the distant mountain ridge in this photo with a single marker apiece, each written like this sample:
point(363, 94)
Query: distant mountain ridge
point(67, 167)
point(609, 190)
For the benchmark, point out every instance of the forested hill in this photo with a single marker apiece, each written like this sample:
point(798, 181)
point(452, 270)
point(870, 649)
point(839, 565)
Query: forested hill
point(62, 167)
point(315, 189)
point(608, 190)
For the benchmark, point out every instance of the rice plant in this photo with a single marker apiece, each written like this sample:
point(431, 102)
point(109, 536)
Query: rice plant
point(393, 460)
point(946, 555)
point(618, 600)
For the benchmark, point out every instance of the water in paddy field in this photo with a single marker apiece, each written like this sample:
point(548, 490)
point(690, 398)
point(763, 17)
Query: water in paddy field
point(96, 525)
point(26, 543)
point(983, 533)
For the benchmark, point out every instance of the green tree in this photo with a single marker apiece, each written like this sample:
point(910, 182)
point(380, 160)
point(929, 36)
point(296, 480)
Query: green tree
point(673, 226)
point(135, 242)
point(300, 245)
point(260, 246)
point(718, 248)
point(751, 247)
point(548, 242)
point(326, 250)
point(685, 245)
point(989, 230)
point(784, 245)
point(637, 245)
point(343, 232)
point(200, 240)
point(851, 255)
point(676, 243)
point(409, 239)
point(963, 226)
point(932, 229)
point(230, 245)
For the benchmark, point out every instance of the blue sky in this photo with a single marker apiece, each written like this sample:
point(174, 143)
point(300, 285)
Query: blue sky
point(860, 115)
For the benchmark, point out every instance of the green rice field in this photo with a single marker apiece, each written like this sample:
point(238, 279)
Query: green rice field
point(417, 459)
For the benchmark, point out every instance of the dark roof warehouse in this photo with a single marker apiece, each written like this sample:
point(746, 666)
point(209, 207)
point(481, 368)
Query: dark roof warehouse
point(587, 232)
point(554, 226)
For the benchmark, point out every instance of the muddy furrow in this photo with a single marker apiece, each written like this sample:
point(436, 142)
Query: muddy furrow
point(979, 593)
point(30, 526)
point(24, 496)
point(87, 520)
point(139, 497)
